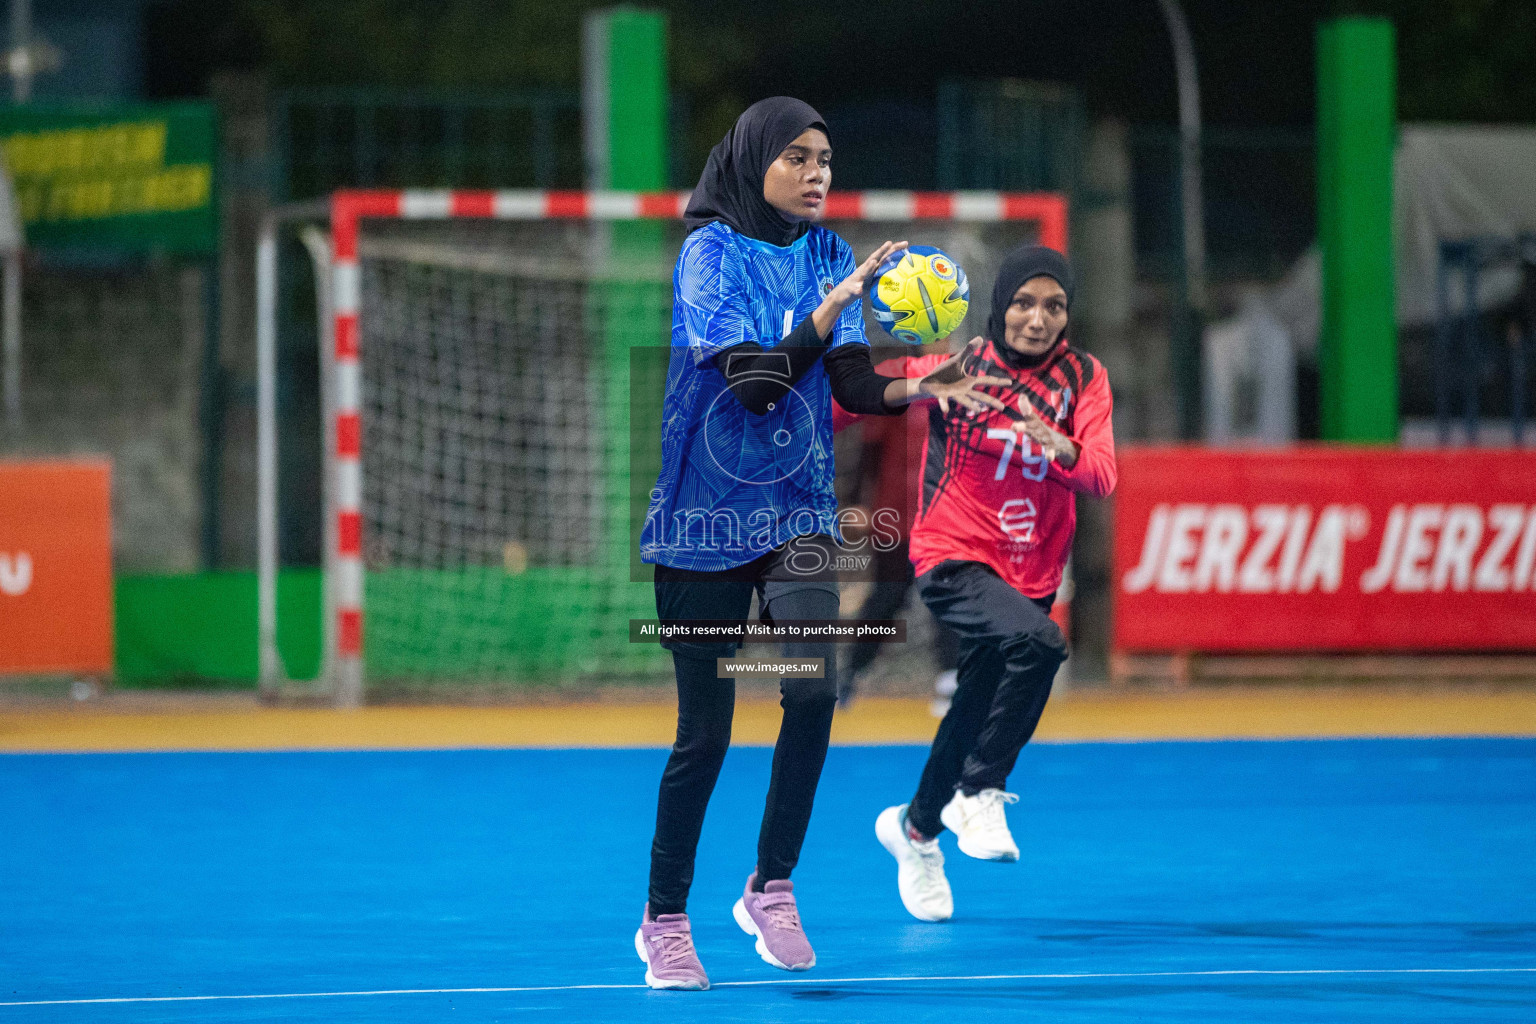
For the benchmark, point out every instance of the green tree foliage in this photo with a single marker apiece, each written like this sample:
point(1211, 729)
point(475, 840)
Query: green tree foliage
point(1466, 60)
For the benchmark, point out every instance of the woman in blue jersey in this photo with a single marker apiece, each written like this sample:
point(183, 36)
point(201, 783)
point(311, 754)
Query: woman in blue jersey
point(767, 326)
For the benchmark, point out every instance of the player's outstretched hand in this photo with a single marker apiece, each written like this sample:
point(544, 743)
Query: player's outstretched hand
point(1057, 446)
point(948, 382)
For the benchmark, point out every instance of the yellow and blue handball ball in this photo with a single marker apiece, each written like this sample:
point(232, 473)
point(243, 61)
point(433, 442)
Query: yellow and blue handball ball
point(920, 294)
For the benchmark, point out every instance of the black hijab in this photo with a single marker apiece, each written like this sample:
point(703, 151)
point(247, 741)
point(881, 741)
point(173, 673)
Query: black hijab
point(731, 188)
point(1020, 265)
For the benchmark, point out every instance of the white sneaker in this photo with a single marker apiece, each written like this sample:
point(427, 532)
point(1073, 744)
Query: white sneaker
point(919, 868)
point(979, 824)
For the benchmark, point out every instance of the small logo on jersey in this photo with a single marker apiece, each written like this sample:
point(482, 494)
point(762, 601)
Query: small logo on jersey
point(1017, 519)
point(826, 287)
point(1066, 405)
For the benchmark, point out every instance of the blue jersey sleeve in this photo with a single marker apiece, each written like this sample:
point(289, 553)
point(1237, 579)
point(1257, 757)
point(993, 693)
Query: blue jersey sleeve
point(710, 290)
point(849, 328)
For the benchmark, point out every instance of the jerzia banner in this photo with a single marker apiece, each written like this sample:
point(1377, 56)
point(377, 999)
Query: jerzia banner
point(1325, 549)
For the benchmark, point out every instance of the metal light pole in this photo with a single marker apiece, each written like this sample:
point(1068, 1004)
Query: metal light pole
point(1186, 354)
point(20, 57)
point(19, 61)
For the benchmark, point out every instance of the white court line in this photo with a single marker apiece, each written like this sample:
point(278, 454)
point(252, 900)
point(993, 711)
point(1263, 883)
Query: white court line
point(808, 980)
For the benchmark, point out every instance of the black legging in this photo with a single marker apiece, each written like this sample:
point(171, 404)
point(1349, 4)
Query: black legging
point(704, 708)
point(1009, 653)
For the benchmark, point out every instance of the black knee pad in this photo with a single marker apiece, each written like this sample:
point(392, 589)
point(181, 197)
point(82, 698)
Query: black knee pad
point(800, 690)
point(806, 692)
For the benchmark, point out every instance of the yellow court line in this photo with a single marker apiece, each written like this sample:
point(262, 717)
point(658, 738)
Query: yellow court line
point(1252, 713)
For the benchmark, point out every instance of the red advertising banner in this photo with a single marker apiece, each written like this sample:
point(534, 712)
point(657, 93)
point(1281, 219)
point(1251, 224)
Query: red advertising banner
point(1323, 548)
point(55, 567)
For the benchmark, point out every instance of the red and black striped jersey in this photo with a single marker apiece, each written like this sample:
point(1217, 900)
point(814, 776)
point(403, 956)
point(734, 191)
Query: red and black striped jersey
point(989, 494)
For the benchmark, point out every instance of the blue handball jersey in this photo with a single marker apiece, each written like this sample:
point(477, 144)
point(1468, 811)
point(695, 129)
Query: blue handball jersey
point(734, 485)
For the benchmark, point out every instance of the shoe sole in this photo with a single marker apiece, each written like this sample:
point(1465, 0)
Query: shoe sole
point(677, 984)
point(745, 922)
point(889, 842)
point(996, 856)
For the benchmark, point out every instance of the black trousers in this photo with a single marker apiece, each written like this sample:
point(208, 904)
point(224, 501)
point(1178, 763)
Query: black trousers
point(788, 587)
point(893, 578)
point(1009, 653)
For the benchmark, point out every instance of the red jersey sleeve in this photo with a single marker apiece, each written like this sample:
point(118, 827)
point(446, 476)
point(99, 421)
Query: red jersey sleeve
point(920, 366)
point(842, 417)
point(1094, 472)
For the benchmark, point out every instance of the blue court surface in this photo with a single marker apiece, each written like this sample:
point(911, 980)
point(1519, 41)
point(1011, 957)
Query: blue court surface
point(1372, 880)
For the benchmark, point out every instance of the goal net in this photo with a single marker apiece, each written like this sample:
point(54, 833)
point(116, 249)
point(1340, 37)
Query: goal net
point(498, 362)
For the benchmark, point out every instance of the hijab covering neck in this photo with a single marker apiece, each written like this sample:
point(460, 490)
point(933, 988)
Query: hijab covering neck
point(1020, 265)
point(731, 188)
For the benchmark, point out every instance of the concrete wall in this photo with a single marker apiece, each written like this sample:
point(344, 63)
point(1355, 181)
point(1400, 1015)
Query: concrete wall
point(111, 361)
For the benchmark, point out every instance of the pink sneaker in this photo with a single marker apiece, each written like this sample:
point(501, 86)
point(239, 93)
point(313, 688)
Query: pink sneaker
point(666, 946)
point(773, 917)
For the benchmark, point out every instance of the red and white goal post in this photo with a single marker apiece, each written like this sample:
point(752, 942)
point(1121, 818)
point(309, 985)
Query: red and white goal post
point(466, 489)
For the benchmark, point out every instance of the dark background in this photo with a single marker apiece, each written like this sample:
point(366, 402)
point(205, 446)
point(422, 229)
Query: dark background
point(1458, 59)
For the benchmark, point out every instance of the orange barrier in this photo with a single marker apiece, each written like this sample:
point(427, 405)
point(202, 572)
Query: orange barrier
point(55, 567)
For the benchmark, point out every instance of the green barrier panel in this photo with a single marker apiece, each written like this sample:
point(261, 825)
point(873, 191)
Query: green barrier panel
point(540, 626)
point(201, 628)
point(545, 625)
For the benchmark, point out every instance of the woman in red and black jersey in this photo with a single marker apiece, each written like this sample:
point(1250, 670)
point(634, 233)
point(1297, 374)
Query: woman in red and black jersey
point(991, 539)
